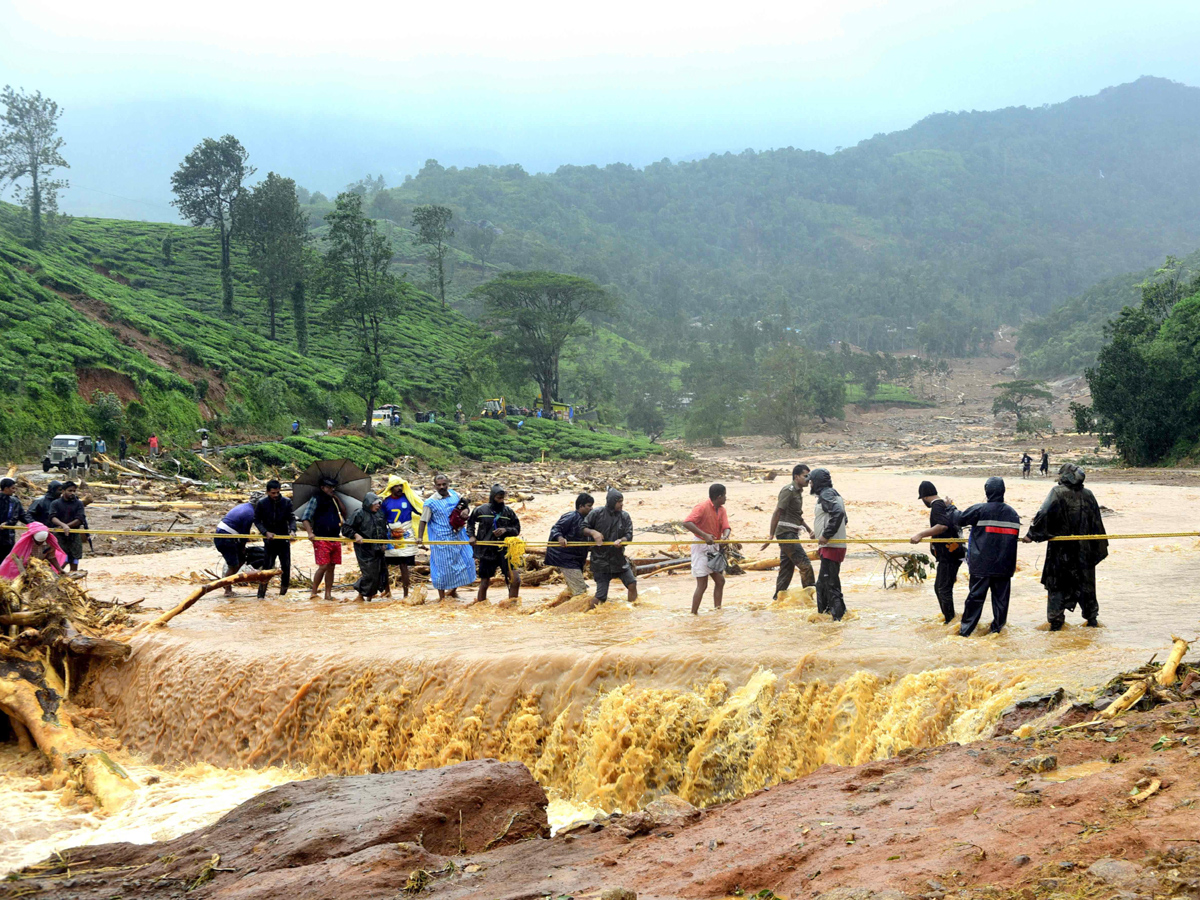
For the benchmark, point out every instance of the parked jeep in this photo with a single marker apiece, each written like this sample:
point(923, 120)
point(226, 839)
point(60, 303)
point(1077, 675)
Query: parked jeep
point(68, 451)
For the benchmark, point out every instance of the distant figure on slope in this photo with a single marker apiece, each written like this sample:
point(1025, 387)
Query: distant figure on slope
point(322, 517)
point(830, 519)
point(1026, 463)
point(368, 524)
point(122, 449)
point(949, 556)
point(238, 521)
point(276, 519)
point(296, 427)
point(451, 566)
point(11, 513)
point(709, 521)
point(67, 512)
point(329, 424)
point(154, 445)
point(1044, 468)
point(616, 528)
point(991, 555)
point(494, 521)
point(102, 450)
point(786, 522)
point(570, 529)
point(1069, 573)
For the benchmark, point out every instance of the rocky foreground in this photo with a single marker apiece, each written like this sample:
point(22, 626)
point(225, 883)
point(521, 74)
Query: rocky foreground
point(982, 820)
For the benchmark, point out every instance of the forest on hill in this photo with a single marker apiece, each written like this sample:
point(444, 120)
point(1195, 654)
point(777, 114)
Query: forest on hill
point(925, 238)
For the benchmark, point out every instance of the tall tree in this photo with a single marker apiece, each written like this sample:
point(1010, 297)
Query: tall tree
point(480, 237)
point(536, 313)
point(795, 385)
point(275, 230)
point(434, 231)
point(207, 186)
point(1021, 398)
point(29, 148)
point(356, 273)
point(300, 316)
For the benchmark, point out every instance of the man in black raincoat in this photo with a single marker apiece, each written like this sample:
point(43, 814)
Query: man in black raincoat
point(11, 513)
point(368, 523)
point(1069, 574)
point(991, 555)
point(494, 521)
point(39, 510)
point(615, 527)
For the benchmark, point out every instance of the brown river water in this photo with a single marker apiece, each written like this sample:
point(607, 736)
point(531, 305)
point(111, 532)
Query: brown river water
point(608, 709)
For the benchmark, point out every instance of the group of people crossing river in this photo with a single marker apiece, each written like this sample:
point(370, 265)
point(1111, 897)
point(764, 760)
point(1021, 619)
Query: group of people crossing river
point(466, 545)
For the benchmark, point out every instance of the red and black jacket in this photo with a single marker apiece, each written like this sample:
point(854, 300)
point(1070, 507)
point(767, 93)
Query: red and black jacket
point(995, 530)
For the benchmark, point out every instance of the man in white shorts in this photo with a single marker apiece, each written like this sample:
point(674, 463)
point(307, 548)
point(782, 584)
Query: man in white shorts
point(710, 523)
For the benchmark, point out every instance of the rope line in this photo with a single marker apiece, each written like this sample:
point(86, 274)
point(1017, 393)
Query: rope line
point(224, 535)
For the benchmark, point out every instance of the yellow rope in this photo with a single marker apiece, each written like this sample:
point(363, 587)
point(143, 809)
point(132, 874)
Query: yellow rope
point(516, 551)
point(206, 535)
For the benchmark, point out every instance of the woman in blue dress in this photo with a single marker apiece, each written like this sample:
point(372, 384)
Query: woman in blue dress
point(451, 566)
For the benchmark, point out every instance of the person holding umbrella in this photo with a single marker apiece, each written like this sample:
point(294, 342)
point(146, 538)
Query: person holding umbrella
point(322, 517)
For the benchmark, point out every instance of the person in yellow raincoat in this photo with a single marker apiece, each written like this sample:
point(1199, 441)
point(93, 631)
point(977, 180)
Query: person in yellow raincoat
point(401, 507)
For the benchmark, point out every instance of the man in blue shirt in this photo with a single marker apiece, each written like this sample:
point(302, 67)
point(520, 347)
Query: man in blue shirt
point(570, 529)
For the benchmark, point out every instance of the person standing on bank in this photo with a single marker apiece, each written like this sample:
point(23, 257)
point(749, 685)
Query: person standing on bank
point(614, 526)
point(122, 449)
point(67, 512)
point(949, 557)
point(322, 517)
point(1069, 573)
point(400, 504)
point(451, 566)
point(276, 519)
point(368, 524)
point(570, 529)
point(1044, 466)
point(830, 519)
point(11, 513)
point(494, 521)
point(1026, 463)
point(709, 521)
point(786, 524)
point(991, 555)
point(154, 444)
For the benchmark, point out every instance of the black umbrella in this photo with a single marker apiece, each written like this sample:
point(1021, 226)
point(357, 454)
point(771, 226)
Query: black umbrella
point(353, 483)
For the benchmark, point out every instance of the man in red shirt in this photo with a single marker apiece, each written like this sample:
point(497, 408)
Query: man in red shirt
point(710, 523)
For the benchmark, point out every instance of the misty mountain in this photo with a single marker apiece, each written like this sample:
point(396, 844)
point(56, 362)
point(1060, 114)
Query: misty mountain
point(934, 234)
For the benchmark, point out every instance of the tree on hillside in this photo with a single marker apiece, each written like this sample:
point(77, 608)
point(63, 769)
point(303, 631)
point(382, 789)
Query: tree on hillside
point(29, 148)
point(300, 316)
point(434, 231)
point(795, 385)
point(355, 272)
point(536, 313)
point(207, 186)
point(275, 230)
point(368, 186)
point(480, 238)
point(1021, 398)
point(646, 417)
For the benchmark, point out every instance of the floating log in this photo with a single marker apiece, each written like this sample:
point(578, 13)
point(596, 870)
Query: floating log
point(1166, 676)
point(239, 578)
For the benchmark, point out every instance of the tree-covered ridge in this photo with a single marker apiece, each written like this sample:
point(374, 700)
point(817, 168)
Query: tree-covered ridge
point(1068, 339)
point(106, 304)
point(974, 218)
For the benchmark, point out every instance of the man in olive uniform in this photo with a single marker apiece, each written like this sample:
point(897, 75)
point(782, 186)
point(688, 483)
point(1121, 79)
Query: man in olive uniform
point(786, 523)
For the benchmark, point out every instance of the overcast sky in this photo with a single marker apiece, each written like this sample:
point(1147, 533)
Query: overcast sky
point(327, 92)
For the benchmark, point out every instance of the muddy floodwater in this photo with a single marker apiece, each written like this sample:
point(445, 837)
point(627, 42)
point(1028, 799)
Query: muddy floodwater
point(612, 708)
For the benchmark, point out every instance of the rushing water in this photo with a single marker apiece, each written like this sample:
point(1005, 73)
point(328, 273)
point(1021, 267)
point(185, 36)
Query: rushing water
point(608, 709)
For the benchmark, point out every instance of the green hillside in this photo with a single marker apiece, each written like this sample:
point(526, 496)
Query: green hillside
point(1068, 340)
point(962, 222)
point(101, 309)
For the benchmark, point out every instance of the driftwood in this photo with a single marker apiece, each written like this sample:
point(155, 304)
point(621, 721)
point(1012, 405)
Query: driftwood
point(760, 565)
point(239, 578)
point(1166, 676)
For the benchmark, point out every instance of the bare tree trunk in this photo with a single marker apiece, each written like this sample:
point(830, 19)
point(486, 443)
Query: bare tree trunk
point(35, 207)
point(226, 271)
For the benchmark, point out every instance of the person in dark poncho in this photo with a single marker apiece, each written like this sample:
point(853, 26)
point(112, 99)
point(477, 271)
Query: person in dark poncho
point(609, 562)
point(991, 555)
point(12, 513)
point(829, 520)
point(368, 524)
point(494, 521)
point(1069, 573)
point(39, 510)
